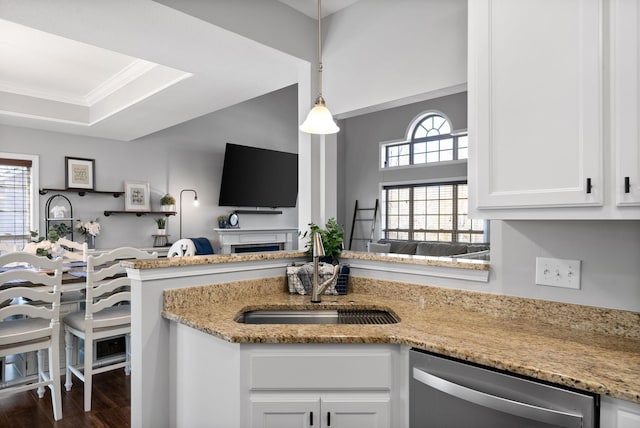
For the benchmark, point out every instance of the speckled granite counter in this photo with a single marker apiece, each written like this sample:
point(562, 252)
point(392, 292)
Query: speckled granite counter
point(273, 255)
point(588, 348)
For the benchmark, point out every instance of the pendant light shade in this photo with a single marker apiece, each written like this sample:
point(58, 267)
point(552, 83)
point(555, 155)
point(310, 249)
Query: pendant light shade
point(319, 120)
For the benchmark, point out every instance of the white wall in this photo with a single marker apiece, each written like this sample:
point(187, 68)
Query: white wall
point(380, 51)
point(189, 155)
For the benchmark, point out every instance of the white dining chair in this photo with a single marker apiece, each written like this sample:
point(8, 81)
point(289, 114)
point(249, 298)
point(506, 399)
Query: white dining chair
point(7, 248)
point(29, 320)
point(107, 314)
point(181, 248)
point(72, 250)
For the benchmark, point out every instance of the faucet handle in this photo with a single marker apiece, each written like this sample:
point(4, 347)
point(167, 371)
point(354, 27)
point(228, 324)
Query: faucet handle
point(318, 248)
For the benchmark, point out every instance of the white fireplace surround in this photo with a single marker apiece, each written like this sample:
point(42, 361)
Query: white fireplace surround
point(228, 240)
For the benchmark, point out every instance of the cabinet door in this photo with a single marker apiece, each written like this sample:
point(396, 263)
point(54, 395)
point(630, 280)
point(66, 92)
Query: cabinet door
point(285, 412)
point(355, 412)
point(616, 413)
point(625, 96)
point(535, 103)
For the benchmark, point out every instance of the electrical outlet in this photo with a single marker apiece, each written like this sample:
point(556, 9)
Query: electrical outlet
point(558, 272)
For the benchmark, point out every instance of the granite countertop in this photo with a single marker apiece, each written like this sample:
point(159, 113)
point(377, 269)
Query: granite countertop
point(591, 349)
point(274, 255)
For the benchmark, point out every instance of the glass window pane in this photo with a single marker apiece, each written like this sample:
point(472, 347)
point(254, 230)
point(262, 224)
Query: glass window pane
point(445, 237)
point(419, 208)
point(419, 236)
point(402, 235)
point(445, 128)
point(446, 206)
point(403, 160)
point(420, 132)
point(446, 222)
point(433, 146)
point(446, 155)
point(463, 141)
point(419, 158)
point(432, 222)
point(404, 149)
point(446, 144)
point(432, 157)
point(463, 154)
point(446, 191)
point(438, 121)
point(432, 236)
point(419, 147)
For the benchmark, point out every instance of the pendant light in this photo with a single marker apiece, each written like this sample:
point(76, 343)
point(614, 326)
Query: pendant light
point(319, 120)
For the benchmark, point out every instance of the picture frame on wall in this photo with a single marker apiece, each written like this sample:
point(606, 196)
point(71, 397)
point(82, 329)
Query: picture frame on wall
point(137, 196)
point(80, 173)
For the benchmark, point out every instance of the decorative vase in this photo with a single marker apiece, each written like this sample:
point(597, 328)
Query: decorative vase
point(222, 224)
point(166, 208)
point(161, 231)
point(90, 240)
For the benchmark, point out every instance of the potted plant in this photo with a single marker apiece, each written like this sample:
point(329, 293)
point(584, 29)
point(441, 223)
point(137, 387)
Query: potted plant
point(222, 221)
point(332, 238)
point(168, 203)
point(162, 225)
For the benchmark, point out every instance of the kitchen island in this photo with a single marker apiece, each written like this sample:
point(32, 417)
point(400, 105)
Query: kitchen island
point(591, 349)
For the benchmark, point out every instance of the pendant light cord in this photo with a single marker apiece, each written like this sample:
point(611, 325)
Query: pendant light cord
point(320, 48)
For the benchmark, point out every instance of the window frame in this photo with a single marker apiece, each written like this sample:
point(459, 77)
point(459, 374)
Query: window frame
point(34, 222)
point(417, 183)
point(411, 142)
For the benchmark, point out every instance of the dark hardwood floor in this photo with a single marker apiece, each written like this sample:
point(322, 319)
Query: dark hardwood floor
point(111, 405)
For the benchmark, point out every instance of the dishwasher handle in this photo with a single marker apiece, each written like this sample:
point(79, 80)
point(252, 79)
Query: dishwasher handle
point(540, 414)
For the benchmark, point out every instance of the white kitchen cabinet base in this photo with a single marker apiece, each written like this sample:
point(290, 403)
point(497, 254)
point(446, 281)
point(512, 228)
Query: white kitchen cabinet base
point(217, 383)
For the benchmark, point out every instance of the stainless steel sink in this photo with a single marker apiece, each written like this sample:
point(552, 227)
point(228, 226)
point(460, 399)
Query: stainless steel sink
point(317, 316)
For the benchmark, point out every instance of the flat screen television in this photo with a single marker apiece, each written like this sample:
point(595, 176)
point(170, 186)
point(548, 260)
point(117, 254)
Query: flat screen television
point(256, 177)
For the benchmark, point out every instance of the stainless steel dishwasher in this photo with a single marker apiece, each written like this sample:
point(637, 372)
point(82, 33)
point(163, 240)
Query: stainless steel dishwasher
point(446, 393)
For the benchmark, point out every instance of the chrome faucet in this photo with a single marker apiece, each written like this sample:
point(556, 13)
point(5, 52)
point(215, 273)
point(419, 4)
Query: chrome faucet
point(318, 251)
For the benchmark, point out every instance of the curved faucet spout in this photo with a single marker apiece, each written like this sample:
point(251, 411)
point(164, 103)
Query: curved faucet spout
point(317, 288)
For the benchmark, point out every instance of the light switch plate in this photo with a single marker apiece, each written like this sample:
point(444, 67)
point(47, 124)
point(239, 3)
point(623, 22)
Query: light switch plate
point(558, 272)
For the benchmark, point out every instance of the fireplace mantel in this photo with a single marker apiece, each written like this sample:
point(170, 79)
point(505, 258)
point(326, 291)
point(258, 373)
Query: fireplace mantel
point(232, 240)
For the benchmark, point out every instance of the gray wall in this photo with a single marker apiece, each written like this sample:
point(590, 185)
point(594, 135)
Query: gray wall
point(359, 142)
point(609, 250)
point(189, 155)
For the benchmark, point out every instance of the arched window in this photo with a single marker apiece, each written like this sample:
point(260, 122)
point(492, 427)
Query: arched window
point(431, 141)
point(434, 210)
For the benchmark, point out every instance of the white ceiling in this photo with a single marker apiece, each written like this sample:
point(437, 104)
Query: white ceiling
point(310, 7)
point(123, 70)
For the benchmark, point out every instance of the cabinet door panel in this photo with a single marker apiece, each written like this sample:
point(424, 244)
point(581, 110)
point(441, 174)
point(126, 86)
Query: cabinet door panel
point(625, 96)
point(355, 412)
point(285, 412)
point(535, 103)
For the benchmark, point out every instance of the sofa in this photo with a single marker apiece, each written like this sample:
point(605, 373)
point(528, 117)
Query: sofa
point(431, 248)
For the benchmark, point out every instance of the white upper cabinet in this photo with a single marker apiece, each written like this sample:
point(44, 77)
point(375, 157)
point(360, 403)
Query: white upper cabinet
point(625, 112)
point(547, 136)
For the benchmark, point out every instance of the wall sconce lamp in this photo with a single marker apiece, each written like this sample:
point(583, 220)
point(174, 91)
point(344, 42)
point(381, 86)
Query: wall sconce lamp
point(196, 203)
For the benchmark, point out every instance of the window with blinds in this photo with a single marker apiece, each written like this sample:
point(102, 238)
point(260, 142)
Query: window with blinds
point(15, 201)
point(430, 212)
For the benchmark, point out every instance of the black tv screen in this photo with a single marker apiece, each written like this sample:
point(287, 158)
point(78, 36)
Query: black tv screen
point(256, 177)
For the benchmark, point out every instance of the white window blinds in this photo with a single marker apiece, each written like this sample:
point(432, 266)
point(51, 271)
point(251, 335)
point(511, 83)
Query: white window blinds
point(15, 201)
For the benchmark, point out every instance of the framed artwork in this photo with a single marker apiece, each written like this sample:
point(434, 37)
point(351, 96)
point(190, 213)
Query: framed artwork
point(137, 197)
point(80, 173)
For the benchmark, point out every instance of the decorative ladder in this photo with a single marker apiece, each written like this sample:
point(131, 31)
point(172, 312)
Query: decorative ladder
point(358, 219)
